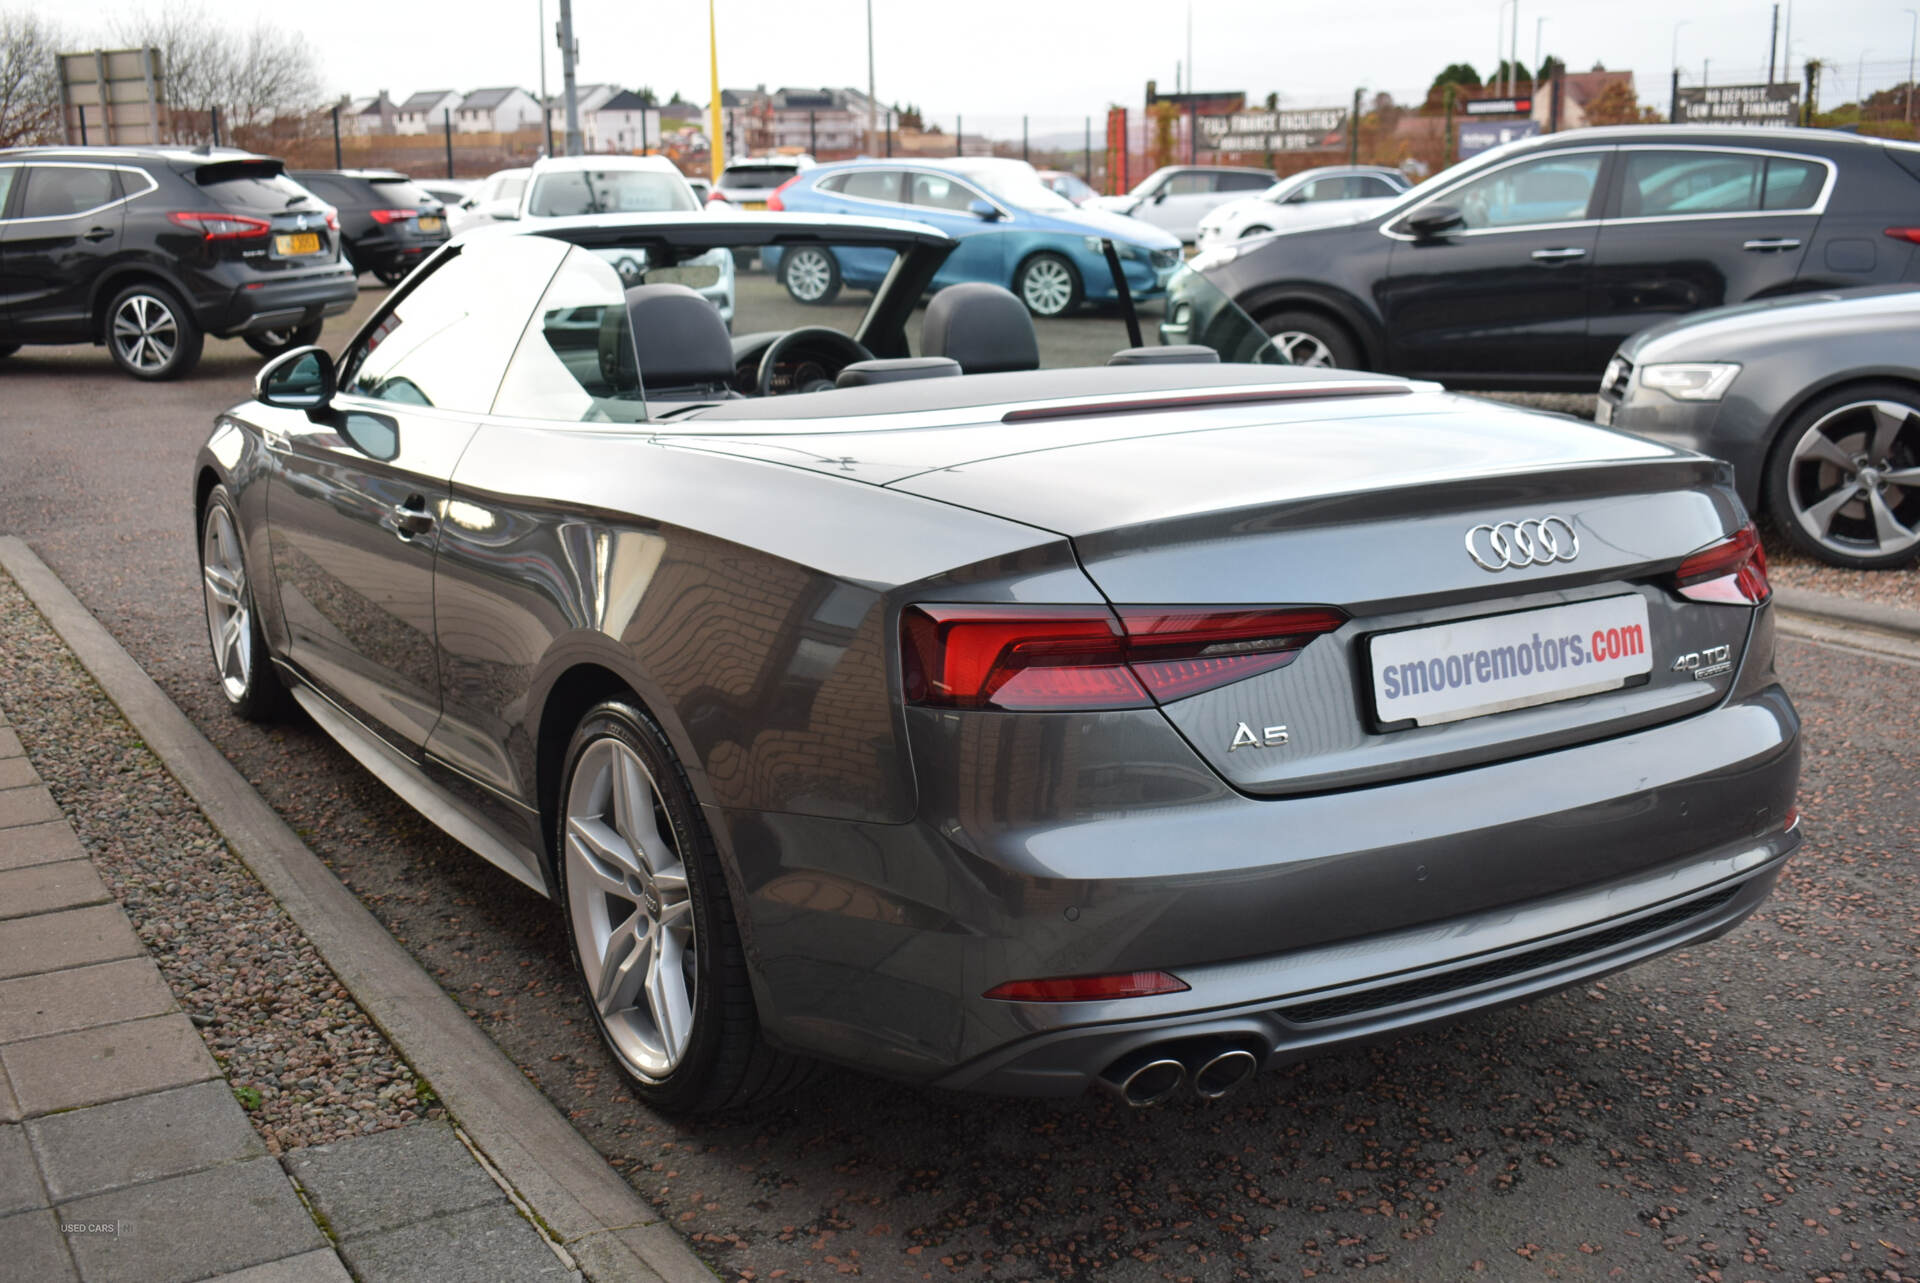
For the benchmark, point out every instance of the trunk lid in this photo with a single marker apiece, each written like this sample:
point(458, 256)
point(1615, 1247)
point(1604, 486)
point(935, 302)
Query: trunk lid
point(296, 236)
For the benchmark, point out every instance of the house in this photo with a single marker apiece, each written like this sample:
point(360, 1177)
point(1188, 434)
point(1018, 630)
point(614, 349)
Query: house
point(1578, 90)
point(375, 115)
point(497, 111)
point(624, 122)
point(825, 121)
point(426, 111)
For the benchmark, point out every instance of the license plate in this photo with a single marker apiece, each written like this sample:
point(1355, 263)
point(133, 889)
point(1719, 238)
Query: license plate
point(1604, 414)
point(297, 243)
point(431, 224)
point(753, 204)
point(1473, 667)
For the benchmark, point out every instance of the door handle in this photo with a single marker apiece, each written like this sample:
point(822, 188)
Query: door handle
point(1559, 255)
point(1767, 246)
point(97, 234)
point(412, 518)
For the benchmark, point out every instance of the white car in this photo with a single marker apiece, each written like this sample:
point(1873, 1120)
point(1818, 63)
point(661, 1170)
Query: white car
point(565, 186)
point(1311, 198)
point(1176, 197)
point(747, 181)
point(495, 196)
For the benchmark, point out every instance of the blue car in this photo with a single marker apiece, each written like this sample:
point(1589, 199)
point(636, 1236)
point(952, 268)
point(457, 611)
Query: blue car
point(1012, 229)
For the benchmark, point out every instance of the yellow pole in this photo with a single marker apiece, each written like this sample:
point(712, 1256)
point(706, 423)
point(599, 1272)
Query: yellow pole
point(718, 150)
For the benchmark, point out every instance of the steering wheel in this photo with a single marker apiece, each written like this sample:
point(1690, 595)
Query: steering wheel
point(815, 352)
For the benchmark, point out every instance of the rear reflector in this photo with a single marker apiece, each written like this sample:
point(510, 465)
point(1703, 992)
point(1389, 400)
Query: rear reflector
point(774, 202)
point(1904, 234)
point(1732, 572)
point(221, 226)
point(1128, 984)
point(1036, 658)
point(392, 215)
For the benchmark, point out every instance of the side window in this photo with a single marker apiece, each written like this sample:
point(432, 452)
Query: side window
point(6, 186)
point(576, 361)
point(461, 321)
point(1325, 189)
point(61, 191)
point(1245, 182)
point(1191, 183)
point(937, 191)
point(330, 191)
point(872, 184)
point(1657, 183)
point(1550, 189)
point(1371, 185)
point(1792, 184)
point(832, 183)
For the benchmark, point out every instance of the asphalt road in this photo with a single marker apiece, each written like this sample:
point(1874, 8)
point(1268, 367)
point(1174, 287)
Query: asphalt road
point(1748, 1110)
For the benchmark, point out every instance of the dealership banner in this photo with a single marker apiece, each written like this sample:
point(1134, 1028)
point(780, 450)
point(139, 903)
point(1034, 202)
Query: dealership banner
point(1303, 129)
point(1774, 105)
point(1477, 136)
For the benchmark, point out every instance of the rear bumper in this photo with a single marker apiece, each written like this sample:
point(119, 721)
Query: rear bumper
point(1083, 846)
point(270, 304)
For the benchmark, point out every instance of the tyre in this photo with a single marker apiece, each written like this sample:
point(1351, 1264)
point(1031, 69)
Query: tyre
point(391, 274)
point(811, 275)
point(1313, 340)
point(8, 349)
point(1844, 480)
point(274, 342)
point(1048, 285)
point(643, 902)
point(150, 333)
point(247, 678)
point(1255, 230)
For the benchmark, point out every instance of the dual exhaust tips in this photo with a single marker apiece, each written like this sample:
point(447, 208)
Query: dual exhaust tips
point(1157, 1075)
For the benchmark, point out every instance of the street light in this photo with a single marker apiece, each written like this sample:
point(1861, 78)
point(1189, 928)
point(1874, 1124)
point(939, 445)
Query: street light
point(1912, 30)
point(1500, 40)
point(1533, 87)
point(1676, 43)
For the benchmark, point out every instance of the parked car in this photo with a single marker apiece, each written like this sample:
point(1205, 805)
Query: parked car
point(1527, 266)
point(570, 186)
point(702, 187)
point(1310, 198)
point(1176, 197)
point(1068, 185)
point(1137, 725)
point(388, 222)
point(1814, 399)
point(1012, 230)
point(149, 251)
point(497, 196)
point(746, 183)
point(450, 192)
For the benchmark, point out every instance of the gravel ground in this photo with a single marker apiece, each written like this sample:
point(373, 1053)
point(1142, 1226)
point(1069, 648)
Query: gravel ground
point(301, 1055)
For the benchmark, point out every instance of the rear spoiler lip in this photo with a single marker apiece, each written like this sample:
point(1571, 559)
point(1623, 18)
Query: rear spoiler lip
point(1201, 399)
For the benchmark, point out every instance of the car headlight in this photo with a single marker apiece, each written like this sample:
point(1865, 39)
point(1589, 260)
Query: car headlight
point(1096, 245)
point(1690, 381)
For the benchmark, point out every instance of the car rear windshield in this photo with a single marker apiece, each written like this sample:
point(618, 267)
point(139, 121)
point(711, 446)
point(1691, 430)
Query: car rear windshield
point(756, 176)
point(609, 191)
point(251, 186)
point(401, 193)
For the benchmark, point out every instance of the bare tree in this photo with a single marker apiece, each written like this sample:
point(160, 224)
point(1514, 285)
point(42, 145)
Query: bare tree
point(29, 80)
point(251, 76)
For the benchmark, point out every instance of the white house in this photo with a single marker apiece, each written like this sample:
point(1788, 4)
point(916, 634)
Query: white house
point(375, 115)
point(425, 112)
point(497, 111)
point(625, 122)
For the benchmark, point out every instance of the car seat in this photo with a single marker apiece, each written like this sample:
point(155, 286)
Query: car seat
point(983, 327)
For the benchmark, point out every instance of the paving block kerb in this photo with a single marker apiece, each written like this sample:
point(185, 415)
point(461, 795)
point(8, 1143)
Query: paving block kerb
point(144, 1138)
point(371, 1184)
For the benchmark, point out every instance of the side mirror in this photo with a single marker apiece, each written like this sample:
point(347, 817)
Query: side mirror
point(1435, 220)
point(1160, 196)
point(501, 208)
point(1298, 198)
point(984, 210)
point(298, 380)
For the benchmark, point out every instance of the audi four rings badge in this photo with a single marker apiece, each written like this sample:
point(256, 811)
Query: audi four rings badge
point(1537, 541)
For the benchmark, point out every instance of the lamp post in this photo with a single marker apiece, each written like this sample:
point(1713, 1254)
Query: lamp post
point(1533, 86)
point(1913, 30)
point(1673, 108)
point(1500, 42)
point(870, 102)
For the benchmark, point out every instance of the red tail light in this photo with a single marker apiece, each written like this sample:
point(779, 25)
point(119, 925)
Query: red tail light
point(333, 219)
point(222, 226)
point(1127, 984)
point(393, 215)
point(1904, 234)
point(774, 202)
point(1034, 658)
point(715, 196)
point(1732, 572)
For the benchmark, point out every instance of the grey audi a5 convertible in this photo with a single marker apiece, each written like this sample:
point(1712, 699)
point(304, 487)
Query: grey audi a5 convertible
point(869, 694)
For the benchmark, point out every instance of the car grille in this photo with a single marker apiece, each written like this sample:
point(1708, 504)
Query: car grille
point(1439, 985)
point(1619, 374)
point(1166, 258)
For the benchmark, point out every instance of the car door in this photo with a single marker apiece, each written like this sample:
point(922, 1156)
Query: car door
point(1503, 295)
point(944, 201)
point(1182, 201)
point(876, 193)
point(1696, 227)
point(359, 491)
point(67, 225)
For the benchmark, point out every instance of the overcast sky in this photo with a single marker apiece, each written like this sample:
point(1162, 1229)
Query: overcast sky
point(1050, 58)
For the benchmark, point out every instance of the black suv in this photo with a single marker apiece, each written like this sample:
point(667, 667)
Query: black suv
point(150, 250)
point(1527, 266)
point(388, 222)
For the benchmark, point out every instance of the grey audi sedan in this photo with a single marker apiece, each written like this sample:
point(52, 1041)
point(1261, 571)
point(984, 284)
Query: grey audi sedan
point(868, 694)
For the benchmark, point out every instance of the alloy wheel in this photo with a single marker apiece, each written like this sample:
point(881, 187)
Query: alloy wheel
point(145, 332)
point(632, 914)
point(1046, 287)
point(229, 606)
point(1853, 480)
point(809, 275)
point(1302, 348)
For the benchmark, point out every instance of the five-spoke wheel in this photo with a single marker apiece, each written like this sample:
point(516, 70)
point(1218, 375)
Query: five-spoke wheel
point(1845, 479)
point(1312, 340)
point(150, 333)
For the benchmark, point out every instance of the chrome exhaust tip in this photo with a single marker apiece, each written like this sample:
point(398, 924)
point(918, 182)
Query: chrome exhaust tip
point(1223, 1073)
point(1151, 1082)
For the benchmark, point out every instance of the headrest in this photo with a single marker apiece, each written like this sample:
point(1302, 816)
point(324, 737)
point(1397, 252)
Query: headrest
point(1171, 354)
point(983, 327)
point(680, 338)
point(863, 374)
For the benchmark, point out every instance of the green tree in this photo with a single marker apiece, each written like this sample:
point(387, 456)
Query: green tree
point(1457, 73)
